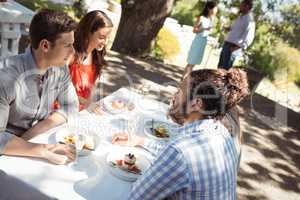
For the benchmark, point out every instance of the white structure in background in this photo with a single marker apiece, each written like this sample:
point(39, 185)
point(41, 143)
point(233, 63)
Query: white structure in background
point(14, 18)
point(110, 7)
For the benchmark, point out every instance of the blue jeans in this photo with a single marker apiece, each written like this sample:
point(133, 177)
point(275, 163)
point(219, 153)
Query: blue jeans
point(227, 57)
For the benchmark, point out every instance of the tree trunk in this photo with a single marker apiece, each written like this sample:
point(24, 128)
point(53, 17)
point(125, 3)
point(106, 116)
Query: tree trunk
point(140, 22)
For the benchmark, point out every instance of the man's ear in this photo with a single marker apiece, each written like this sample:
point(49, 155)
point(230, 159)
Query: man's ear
point(44, 45)
point(196, 104)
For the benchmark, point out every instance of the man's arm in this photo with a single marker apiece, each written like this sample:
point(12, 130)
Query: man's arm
point(167, 175)
point(54, 120)
point(248, 35)
point(12, 145)
point(9, 143)
point(68, 102)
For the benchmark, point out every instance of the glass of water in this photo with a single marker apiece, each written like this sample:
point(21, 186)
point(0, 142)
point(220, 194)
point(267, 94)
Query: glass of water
point(132, 129)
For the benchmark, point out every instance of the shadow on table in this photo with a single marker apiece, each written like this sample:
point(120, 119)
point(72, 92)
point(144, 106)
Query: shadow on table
point(100, 184)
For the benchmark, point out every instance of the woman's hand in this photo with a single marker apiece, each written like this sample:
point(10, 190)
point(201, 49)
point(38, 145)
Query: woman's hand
point(122, 139)
point(196, 29)
point(234, 48)
point(97, 110)
point(59, 154)
point(85, 102)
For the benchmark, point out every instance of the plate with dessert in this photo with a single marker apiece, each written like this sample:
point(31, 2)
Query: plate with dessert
point(128, 164)
point(71, 135)
point(160, 130)
point(117, 105)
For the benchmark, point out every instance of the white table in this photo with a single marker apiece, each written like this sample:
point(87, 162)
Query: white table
point(90, 179)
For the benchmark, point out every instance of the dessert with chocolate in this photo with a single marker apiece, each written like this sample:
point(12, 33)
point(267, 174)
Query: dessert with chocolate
point(128, 164)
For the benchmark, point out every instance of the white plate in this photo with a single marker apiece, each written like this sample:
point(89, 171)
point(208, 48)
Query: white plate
point(108, 104)
point(69, 130)
point(142, 162)
point(151, 124)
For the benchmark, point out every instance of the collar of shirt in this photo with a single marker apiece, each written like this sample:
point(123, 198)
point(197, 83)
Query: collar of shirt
point(31, 63)
point(198, 126)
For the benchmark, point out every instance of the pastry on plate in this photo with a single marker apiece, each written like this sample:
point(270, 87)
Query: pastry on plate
point(128, 164)
point(89, 142)
point(118, 104)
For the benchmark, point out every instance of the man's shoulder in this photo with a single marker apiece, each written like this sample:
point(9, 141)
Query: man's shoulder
point(12, 65)
point(204, 136)
point(249, 17)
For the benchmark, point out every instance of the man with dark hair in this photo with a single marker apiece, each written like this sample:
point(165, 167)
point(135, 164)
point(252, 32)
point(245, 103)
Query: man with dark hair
point(201, 162)
point(240, 36)
point(31, 82)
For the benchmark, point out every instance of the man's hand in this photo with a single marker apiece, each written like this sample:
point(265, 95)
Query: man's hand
point(59, 154)
point(234, 48)
point(55, 153)
point(227, 29)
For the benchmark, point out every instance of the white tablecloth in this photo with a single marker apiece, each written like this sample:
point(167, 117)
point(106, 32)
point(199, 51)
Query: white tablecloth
point(89, 179)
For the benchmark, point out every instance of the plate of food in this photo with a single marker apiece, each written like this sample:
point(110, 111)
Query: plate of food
point(70, 135)
point(118, 105)
point(160, 130)
point(128, 163)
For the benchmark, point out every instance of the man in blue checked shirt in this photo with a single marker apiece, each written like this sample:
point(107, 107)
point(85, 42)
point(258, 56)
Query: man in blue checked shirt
point(202, 162)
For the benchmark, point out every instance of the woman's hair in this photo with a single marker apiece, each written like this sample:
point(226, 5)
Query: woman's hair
point(219, 90)
point(49, 24)
point(208, 6)
point(90, 23)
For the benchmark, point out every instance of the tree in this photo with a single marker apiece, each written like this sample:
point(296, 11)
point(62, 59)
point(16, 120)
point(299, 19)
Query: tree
point(140, 23)
point(289, 28)
point(79, 8)
point(186, 11)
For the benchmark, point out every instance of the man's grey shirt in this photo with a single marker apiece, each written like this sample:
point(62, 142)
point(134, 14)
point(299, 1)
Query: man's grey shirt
point(27, 94)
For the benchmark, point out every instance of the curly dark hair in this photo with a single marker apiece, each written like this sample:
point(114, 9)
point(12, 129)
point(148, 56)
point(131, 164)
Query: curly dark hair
point(49, 24)
point(220, 90)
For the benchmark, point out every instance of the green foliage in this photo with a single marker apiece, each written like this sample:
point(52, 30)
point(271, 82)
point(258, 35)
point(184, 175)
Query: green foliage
point(262, 51)
point(36, 5)
point(76, 11)
point(272, 56)
point(287, 59)
point(166, 45)
point(289, 28)
point(79, 8)
point(186, 11)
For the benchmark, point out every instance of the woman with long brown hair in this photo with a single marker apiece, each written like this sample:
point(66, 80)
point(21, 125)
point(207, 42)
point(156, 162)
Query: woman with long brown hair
point(90, 40)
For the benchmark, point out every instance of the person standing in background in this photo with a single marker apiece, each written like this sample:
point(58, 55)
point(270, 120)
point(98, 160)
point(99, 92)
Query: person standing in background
point(240, 36)
point(202, 28)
